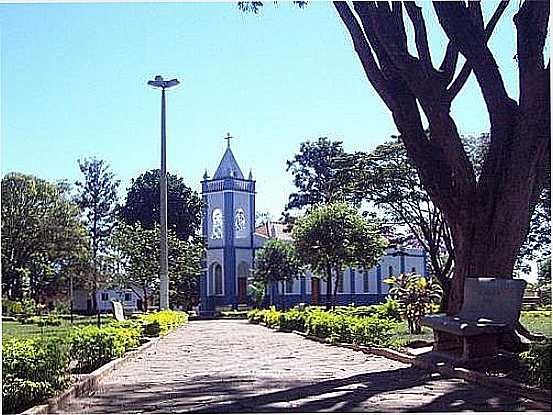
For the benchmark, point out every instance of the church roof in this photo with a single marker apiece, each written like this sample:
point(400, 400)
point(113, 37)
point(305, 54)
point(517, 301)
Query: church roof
point(275, 230)
point(228, 167)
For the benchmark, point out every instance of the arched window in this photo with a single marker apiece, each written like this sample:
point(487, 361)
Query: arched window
point(414, 270)
point(390, 271)
point(217, 279)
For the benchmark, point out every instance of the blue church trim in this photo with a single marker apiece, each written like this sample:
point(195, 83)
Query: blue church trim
point(229, 258)
point(379, 279)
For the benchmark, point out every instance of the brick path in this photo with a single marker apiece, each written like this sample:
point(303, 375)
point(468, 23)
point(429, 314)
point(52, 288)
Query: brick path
point(222, 366)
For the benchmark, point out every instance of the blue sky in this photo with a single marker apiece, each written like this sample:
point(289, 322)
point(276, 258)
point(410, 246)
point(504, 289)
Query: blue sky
point(73, 85)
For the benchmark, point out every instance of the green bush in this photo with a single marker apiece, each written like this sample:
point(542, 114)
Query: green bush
point(32, 370)
point(293, 319)
point(10, 307)
point(417, 296)
point(93, 347)
point(537, 362)
point(62, 307)
point(167, 320)
point(255, 316)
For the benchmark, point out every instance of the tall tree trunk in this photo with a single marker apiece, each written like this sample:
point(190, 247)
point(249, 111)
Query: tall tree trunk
point(145, 302)
point(328, 287)
point(336, 282)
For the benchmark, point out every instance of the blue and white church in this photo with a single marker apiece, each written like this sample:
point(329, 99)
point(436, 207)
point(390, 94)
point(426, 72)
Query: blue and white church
point(228, 226)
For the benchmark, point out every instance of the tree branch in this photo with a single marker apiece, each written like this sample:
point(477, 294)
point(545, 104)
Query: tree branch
point(463, 76)
point(361, 46)
point(421, 37)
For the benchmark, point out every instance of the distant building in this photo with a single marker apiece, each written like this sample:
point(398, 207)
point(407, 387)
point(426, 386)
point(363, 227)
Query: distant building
point(228, 225)
point(131, 298)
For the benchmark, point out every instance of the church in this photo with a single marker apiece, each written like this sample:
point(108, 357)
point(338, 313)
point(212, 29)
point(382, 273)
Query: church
point(228, 226)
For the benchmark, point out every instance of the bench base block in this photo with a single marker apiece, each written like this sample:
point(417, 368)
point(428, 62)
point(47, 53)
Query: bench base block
point(471, 347)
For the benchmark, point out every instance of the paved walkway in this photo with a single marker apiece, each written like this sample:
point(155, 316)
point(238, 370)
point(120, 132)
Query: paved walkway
point(222, 366)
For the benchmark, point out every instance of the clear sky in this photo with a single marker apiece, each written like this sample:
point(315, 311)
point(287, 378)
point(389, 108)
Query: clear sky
point(73, 85)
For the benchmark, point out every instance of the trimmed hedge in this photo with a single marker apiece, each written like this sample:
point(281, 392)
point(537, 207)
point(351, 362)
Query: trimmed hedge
point(162, 322)
point(32, 370)
point(343, 328)
point(93, 347)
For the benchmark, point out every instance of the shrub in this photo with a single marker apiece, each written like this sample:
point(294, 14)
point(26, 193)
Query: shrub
point(537, 362)
point(271, 317)
point(61, 307)
point(416, 295)
point(167, 320)
point(30, 307)
point(10, 307)
point(255, 316)
point(93, 347)
point(293, 319)
point(32, 370)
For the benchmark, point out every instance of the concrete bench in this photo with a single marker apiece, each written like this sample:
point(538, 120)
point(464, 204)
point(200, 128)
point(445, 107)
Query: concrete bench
point(491, 308)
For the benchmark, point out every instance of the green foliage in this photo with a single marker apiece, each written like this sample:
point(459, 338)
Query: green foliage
point(387, 178)
point(333, 237)
point(32, 370)
point(43, 240)
point(316, 174)
point(93, 347)
point(142, 204)
point(165, 321)
point(416, 295)
point(62, 307)
point(10, 307)
point(389, 310)
point(369, 331)
point(276, 263)
point(537, 362)
point(139, 251)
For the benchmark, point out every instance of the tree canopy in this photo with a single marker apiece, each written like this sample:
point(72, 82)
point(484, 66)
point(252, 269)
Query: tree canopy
point(276, 262)
point(43, 239)
point(139, 254)
point(142, 204)
point(332, 237)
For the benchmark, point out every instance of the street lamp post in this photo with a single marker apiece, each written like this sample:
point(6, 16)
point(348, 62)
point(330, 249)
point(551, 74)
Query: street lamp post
point(158, 82)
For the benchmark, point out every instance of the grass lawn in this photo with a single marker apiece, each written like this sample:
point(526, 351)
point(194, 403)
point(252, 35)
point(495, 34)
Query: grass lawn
point(16, 329)
point(537, 322)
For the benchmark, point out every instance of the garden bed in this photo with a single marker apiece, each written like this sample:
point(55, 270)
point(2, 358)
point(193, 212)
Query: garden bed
point(37, 367)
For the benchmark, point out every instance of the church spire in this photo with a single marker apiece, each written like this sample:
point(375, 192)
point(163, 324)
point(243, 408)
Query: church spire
point(228, 167)
point(250, 176)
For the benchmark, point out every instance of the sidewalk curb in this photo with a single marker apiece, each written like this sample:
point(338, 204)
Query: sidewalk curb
point(88, 382)
point(540, 396)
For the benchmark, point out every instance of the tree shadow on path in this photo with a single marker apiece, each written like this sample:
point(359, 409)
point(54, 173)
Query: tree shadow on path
point(400, 390)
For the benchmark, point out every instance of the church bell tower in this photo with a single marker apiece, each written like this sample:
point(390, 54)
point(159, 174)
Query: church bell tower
point(228, 225)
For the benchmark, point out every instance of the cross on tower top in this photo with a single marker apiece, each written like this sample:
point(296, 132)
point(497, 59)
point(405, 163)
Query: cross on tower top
point(228, 137)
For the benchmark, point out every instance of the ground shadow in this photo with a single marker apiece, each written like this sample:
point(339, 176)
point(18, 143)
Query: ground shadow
point(399, 390)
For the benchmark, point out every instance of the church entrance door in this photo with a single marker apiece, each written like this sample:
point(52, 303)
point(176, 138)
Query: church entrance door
point(242, 285)
point(315, 290)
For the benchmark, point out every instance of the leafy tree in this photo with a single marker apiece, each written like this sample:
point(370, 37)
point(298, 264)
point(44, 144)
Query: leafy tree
point(276, 262)
point(315, 170)
point(333, 237)
point(544, 280)
point(43, 239)
point(97, 198)
point(489, 216)
point(139, 249)
point(387, 178)
point(142, 204)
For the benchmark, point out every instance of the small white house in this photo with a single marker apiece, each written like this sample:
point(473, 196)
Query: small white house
point(131, 299)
